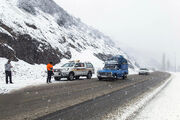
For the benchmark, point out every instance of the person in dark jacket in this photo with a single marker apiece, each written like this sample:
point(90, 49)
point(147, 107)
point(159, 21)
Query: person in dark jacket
point(8, 67)
point(49, 72)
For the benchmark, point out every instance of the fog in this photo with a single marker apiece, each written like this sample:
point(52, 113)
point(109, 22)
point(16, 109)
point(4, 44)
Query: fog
point(151, 26)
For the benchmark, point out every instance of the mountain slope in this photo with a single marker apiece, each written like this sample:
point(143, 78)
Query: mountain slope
point(34, 32)
point(39, 31)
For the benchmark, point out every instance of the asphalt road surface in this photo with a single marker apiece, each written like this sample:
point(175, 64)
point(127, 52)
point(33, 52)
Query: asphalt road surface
point(75, 100)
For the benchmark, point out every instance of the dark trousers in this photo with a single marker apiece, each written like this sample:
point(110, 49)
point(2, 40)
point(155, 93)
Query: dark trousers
point(8, 75)
point(49, 75)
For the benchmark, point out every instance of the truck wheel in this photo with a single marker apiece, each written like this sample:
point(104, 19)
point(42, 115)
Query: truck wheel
point(71, 76)
point(89, 75)
point(57, 78)
point(124, 77)
point(114, 77)
point(77, 77)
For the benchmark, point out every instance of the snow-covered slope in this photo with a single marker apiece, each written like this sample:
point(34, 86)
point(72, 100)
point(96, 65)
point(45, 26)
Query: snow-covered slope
point(38, 31)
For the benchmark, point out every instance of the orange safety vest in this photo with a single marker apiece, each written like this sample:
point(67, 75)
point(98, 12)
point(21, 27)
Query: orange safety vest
point(49, 67)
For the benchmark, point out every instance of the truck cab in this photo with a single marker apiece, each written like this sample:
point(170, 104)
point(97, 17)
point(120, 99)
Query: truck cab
point(114, 68)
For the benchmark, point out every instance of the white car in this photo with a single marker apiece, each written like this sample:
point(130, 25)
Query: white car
point(144, 71)
point(73, 70)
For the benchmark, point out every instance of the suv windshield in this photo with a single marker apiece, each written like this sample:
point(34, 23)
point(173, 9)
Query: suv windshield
point(109, 66)
point(69, 64)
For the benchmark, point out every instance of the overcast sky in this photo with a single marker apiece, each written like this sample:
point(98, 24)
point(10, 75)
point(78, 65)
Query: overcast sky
point(150, 25)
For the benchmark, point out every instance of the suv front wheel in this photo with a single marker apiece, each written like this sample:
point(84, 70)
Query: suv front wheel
point(89, 75)
point(71, 76)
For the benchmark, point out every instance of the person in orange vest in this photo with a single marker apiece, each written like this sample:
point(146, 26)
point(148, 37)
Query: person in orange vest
point(49, 71)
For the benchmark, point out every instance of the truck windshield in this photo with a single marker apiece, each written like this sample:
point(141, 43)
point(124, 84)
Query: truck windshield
point(110, 66)
point(69, 64)
point(143, 69)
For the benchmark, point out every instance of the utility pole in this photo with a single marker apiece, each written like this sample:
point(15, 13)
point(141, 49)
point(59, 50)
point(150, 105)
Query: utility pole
point(175, 68)
point(164, 62)
point(168, 65)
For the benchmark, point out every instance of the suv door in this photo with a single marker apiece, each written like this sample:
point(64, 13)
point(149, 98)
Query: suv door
point(83, 69)
point(80, 69)
point(89, 67)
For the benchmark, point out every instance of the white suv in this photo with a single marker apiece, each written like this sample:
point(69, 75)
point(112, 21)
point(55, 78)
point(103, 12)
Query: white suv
point(73, 70)
point(144, 71)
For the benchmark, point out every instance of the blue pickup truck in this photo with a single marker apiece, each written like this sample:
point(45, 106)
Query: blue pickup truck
point(115, 68)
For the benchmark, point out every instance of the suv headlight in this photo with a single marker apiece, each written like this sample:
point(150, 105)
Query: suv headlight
point(110, 74)
point(56, 70)
point(67, 69)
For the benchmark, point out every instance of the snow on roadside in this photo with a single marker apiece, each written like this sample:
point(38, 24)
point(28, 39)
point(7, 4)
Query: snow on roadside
point(23, 74)
point(166, 106)
point(126, 112)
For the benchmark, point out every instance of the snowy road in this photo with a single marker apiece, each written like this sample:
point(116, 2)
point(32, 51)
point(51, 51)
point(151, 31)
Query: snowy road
point(166, 106)
point(75, 100)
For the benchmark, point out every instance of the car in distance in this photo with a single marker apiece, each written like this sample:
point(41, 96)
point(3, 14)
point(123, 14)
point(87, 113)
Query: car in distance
point(144, 71)
point(73, 70)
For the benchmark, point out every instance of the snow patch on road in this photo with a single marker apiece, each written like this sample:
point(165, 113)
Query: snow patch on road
point(131, 109)
point(166, 106)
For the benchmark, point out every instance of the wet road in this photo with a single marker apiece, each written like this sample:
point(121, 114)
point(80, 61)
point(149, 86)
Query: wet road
point(76, 100)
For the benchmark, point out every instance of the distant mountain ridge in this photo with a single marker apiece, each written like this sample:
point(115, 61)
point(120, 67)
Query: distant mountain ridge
point(39, 31)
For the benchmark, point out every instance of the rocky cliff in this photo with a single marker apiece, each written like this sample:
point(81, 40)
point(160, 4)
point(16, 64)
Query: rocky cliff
point(39, 31)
